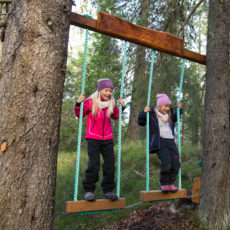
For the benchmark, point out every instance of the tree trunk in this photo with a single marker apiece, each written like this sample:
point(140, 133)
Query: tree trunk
point(4, 10)
point(31, 88)
point(195, 139)
point(0, 51)
point(215, 186)
point(139, 93)
point(183, 129)
point(140, 80)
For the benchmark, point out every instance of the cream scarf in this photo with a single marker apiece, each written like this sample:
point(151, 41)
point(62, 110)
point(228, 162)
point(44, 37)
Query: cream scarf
point(97, 103)
point(161, 116)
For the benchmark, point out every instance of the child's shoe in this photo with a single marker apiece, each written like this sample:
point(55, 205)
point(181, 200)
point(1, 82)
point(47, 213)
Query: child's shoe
point(111, 196)
point(173, 188)
point(89, 196)
point(165, 188)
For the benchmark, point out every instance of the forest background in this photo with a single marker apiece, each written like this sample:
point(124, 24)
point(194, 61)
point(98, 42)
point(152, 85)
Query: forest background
point(185, 19)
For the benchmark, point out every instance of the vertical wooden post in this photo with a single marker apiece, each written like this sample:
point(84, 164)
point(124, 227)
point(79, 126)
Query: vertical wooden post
point(196, 190)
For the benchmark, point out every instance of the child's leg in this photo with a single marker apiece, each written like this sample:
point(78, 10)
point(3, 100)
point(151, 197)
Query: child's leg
point(91, 176)
point(175, 158)
point(164, 156)
point(108, 166)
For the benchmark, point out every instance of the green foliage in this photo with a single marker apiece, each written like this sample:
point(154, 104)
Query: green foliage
point(68, 132)
point(103, 62)
point(193, 100)
point(191, 155)
point(105, 57)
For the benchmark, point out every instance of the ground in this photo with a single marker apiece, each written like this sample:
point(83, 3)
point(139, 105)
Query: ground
point(178, 215)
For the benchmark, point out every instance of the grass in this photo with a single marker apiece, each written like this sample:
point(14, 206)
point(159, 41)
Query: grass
point(132, 182)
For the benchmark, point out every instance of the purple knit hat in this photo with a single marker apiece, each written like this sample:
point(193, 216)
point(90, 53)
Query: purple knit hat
point(163, 99)
point(104, 83)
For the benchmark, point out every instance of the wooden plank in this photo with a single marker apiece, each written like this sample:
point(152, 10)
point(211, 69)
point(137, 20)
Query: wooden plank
point(159, 195)
point(117, 27)
point(83, 22)
point(161, 41)
point(196, 190)
point(192, 56)
point(97, 205)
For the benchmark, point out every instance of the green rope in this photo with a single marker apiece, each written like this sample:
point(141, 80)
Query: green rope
point(178, 120)
point(159, 201)
point(120, 121)
point(87, 15)
point(80, 120)
point(95, 212)
point(147, 121)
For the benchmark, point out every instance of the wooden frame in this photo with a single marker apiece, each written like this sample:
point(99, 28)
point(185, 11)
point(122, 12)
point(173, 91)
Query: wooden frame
point(119, 28)
point(97, 205)
point(196, 190)
point(157, 195)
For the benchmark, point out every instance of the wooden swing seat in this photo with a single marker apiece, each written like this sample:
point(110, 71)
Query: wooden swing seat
point(97, 205)
point(157, 195)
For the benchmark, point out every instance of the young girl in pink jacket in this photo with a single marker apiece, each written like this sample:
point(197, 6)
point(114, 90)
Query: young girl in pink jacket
point(99, 108)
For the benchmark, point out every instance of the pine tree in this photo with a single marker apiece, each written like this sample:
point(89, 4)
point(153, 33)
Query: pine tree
point(31, 87)
point(215, 183)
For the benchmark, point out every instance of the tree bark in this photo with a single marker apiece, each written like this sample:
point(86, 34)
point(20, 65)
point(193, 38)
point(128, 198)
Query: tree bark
point(31, 88)
point(140, 80)
point(4, 10)
point(0, 51)
point(215, 187)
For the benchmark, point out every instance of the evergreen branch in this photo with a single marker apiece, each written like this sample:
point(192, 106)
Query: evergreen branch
point(189, 16)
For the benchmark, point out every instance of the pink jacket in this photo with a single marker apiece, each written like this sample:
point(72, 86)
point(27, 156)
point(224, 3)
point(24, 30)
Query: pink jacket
point(98, 127)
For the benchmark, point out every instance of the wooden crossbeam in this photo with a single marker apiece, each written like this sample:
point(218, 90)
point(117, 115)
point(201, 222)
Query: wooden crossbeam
point(112, 25)
point(83, 22)
point(119, 28)
point(196, 190)
point(159, 195)
point(97, 205)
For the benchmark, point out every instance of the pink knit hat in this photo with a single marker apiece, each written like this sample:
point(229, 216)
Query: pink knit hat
point(163, 99)
point(104, 83)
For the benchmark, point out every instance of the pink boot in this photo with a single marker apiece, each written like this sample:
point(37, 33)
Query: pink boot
point(165, 188)
point(173, 188)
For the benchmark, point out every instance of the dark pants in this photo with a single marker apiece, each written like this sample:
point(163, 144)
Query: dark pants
point(170, 163)
point(95, 148)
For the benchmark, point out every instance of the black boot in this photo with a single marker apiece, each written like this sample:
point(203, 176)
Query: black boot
point(111, 196)
point(89, 196)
